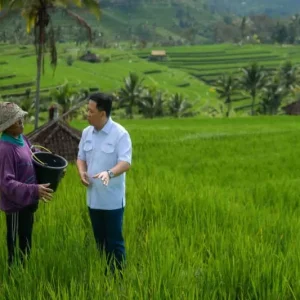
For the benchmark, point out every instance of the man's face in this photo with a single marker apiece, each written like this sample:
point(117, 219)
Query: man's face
point(17, 128)
point(94, 116)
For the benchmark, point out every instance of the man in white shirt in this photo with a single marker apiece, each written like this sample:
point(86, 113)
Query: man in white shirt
point(104, 156)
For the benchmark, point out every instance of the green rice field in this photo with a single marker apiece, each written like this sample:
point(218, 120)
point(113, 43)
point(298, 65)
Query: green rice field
point(190, 71)
point(18, 71)
point(209, 62)
point(212, 213)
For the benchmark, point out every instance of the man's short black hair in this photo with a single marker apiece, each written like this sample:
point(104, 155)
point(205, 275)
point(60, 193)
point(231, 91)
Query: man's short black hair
point(103, 102)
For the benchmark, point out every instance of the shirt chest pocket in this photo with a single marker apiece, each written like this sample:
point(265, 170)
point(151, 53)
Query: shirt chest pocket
point(108, 154)
point(108, 148)
point(88, 149)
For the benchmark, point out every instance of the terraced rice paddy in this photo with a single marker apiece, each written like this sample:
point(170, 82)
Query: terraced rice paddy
point(191, 71)
point(19, 69)
point(209, 62)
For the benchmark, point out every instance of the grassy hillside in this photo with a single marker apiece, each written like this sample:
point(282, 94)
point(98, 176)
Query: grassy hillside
point(191, 71)
point(164, 21)
point(270, 7)
point(18, 71)
point(156, 22)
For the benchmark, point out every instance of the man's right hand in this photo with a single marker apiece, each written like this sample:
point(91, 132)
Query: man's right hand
point(45, 194)
point(84, 179)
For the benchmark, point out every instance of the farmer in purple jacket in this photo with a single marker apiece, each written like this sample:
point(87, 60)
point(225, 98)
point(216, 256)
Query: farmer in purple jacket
point(19, 192)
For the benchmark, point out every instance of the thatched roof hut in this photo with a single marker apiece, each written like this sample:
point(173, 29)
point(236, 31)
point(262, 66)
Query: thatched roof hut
point(58, 136)
point(158, 55)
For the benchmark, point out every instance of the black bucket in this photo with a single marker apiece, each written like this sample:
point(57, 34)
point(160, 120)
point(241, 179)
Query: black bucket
point(49, 168)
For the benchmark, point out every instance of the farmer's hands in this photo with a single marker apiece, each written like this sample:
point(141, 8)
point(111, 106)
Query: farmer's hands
point(103, 176)
point(84, 179)
point(45, 194)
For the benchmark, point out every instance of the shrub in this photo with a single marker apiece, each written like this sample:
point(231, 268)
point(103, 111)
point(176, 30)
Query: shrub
point(184, 84)
point(70, 60)
point(107, 59)
point(153, 72)
point(93, 89)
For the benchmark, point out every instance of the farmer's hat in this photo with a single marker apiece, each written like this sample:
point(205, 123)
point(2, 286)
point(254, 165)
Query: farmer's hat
point(10, 113)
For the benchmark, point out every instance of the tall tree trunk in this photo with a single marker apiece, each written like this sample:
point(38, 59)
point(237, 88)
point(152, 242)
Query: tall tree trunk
point(39, 42)
point(253, 103)
point(265, 109)
point(228, 107)
point(131, 103)
point(38, 84)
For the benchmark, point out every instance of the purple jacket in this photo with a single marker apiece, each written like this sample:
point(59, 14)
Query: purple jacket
point(18, 185)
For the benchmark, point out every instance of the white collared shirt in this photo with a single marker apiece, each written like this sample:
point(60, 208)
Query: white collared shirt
point(102, 150)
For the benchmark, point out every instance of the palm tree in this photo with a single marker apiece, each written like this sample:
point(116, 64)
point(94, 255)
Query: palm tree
point(272, 95)
point(129, 95)
point(152, 103)
point(159, 104)
point(227, 87)
point(252, 81)
point(65, 96)
point(37, 16)
point(179, 107)
point(293, 28)
point(289, 75)
point(243, 27)
point(27, 104)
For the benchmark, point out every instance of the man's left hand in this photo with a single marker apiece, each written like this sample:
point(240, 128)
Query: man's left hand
point(103, 176)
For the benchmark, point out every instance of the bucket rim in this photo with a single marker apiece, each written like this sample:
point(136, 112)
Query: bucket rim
point(49, 167)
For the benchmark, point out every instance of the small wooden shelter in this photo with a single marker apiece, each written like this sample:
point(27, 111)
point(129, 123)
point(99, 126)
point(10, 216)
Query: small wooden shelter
point(58, 137)
point(157, 55)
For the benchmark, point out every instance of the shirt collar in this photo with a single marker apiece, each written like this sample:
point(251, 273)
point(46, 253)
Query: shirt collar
point(107, 127)
point(10, 139)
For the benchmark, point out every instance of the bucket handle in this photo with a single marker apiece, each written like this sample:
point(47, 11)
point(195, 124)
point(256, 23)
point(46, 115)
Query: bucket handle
point(38, 146)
